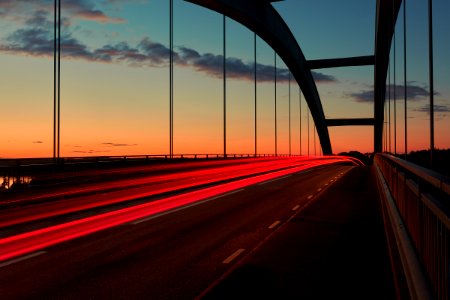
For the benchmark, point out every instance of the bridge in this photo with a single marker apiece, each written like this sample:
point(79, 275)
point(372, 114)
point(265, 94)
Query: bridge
point(214, 149)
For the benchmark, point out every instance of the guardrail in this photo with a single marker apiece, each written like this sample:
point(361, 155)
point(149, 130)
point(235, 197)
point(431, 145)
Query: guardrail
point(421, 199)
point(20, 170)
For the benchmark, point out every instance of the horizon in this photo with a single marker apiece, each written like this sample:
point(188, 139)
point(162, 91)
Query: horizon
point(115, 89)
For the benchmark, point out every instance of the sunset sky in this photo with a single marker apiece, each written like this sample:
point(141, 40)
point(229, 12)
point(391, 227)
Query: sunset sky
point(115, 77)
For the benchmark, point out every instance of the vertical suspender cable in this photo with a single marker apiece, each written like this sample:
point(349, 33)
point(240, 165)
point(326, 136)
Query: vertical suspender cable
point(385, 128)
point(307, 117)
point(289, 99)
point(256, 128)
point(275, 73)
point(224, 88)
point(405, 79)
point(389, 108)
point(314, 136)
point(171, 79)
point(395, 86)
point(59, 81)
point(300, 117)
point(54, 79)
point(430, 62)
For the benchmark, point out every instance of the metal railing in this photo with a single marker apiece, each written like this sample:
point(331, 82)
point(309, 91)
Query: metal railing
point(20, 170)
point(422, 199)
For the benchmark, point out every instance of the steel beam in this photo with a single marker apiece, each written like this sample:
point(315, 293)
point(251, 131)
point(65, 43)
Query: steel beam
point(351, 122)
point(264, 20)
point(341, 62)
point(387, 12)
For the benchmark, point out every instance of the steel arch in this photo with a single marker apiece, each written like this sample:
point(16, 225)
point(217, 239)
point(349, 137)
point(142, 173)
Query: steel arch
point(264, 20)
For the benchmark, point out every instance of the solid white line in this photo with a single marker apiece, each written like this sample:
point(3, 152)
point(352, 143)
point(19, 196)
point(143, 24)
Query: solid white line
point(184, 207)
point(13, 261)
point(274, 224)
point(296, 207)
point(233, 256)
point(310, 196)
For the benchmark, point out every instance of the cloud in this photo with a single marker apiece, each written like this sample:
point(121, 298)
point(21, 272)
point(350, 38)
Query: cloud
point(236, 68)
point(36, 39)
point(90, 151)
point(320, 77)
point(414, 93)
point(118, 144)
point(79, 9)
point(437, 108)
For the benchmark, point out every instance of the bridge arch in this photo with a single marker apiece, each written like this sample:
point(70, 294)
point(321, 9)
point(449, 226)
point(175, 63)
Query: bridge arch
point(264, 20)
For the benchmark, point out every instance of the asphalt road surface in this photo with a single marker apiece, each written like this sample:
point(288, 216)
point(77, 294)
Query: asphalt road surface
point(177, 255)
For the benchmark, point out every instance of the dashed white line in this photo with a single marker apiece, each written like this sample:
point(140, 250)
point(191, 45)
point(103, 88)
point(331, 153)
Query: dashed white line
point(319, 189)
point(13, 261)
point(233, 256)
point(310, 196)
point(184, 207)
point(274, 224)
point(296, 207)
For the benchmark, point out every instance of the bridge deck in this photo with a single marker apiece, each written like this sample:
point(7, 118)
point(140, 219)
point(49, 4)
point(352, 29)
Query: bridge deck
point(334, 249)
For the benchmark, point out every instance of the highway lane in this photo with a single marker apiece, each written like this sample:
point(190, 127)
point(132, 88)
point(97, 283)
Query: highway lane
point(175, 255)
point(85, 182)
point(107, 194)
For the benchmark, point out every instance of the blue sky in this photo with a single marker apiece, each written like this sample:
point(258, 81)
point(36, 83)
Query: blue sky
point(115, 75)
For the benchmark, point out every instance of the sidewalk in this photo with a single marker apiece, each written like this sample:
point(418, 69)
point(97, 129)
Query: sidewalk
point(334, 249)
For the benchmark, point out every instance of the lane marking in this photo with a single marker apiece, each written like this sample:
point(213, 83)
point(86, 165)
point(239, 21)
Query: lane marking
point(268, 237)
point(22, 258)
point(272, 180)
point(224, 195)
point(274, 224)
point(326, 184)
point(319, 189)
point(310, 196)
point(233, 256)
point(296, 207)
point(184, 207)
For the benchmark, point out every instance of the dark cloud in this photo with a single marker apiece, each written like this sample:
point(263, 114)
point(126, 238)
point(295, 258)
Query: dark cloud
point(437, 108)
point(320, 77)
point(36, 39)
point(40, 19)
point(74, 9)
point(414, 93)
point(236, 68)
point(90, 151)
point(118, 144)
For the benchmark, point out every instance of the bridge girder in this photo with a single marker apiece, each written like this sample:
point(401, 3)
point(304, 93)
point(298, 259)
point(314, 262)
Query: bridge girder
point(351, 122)
point(264, 20)
point(341, 62)
point(386, 10)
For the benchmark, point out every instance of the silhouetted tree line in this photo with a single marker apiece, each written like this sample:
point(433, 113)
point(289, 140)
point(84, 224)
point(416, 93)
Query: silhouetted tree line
point(441, 159)
point(365, 158)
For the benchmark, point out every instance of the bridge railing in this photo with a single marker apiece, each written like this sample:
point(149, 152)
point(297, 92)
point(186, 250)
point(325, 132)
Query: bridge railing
point(21, 170)
point(422, 201)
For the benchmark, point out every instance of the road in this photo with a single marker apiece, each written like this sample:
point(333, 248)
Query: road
point(169, 255)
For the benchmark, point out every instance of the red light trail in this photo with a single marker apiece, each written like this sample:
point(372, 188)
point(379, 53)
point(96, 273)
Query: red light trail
point(24, 243)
